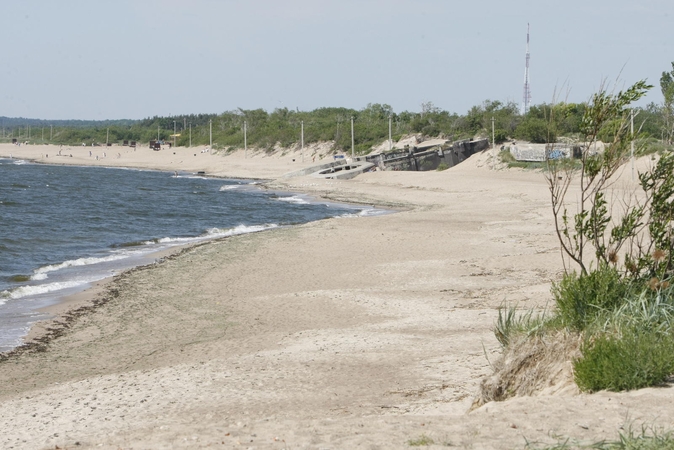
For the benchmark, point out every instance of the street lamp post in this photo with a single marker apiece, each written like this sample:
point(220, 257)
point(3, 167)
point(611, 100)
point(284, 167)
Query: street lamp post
point(174, 133)
point(245, 140)
point(190, 134)
point(210, 134)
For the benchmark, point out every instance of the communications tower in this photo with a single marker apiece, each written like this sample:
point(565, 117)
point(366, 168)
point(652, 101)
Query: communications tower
point(526, 102)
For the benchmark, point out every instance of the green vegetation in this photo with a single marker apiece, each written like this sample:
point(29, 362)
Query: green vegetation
point(421, 441)
point(667, 87)
point(542, 123)
point(646, 439)
point(426, 441)
point(616, 295)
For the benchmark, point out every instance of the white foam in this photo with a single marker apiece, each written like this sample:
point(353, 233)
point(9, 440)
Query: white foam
point(42, 272)
point(294, 199)
point(28, 291)
point(228, 187)
point(364, 213)
point(170, 240)
point(214, 233)
point(241, 229)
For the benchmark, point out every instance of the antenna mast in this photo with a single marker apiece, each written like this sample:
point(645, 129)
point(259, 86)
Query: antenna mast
point(527, 89)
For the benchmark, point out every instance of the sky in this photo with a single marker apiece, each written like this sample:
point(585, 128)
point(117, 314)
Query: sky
point(132, 59)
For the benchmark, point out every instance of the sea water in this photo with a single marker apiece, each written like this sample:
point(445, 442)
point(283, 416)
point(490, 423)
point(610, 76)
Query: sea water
point(63, 228)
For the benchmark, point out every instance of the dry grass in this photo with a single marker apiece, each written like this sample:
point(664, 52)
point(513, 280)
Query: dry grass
point(532, 365)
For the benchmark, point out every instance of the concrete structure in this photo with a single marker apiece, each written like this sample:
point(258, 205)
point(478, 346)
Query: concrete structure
point(314, 169)
point(338, 169)
point(344, 172)
point(541, 152)
point(427, 155)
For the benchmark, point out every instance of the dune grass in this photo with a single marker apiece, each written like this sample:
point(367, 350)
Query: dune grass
point(626, 328)
point(648, 438)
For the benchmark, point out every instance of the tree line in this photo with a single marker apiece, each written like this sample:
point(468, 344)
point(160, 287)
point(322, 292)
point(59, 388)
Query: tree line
point(542, 123)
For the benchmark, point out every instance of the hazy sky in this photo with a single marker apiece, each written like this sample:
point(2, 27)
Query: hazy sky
point(96, 59)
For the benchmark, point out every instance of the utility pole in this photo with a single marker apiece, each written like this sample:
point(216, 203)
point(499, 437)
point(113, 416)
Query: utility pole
point(302, 140)
point(390, 140)
point(184, 123)
point(157, 133)
point(42, 134)
point(28, 131)
point(353, 146)
point(174, 133)
point(210, 134)
point(190, 134)
point(51, 132)
point(107, 137)
point(245, 140)
point(493, 145)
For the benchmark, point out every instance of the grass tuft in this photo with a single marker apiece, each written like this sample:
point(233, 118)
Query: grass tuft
point(648, 438)
point(421, 441)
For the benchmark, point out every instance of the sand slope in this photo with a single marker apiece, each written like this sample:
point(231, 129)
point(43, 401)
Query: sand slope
point(345, 333)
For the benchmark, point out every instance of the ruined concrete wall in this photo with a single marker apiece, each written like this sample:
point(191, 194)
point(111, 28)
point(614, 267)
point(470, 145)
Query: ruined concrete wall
point(462, 150)
point(412, 159)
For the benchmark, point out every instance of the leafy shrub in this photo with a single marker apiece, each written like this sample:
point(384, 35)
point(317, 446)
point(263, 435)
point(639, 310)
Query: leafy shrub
point(500, 136)
point(639, 358)
point(535, 130)
point(442, 166)
point(580, 299)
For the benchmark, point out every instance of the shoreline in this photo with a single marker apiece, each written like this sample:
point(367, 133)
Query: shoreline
point(331, 334)
point(66, 306)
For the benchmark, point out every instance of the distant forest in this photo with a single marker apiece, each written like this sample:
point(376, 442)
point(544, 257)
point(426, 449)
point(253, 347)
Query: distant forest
point(542, 123)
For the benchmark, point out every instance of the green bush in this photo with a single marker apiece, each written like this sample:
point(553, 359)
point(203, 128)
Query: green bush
point(580, 299)
point(442, 166)
point(639, 358)
point(535, 130)
point(500, 136)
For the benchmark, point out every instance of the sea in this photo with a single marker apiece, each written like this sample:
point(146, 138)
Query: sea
point(63, 228)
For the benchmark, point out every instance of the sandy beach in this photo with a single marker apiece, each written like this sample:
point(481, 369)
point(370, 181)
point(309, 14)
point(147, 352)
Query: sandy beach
point(368, 332)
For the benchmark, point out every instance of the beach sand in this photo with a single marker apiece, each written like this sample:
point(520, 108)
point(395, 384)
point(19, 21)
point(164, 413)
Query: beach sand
point(367, 332)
